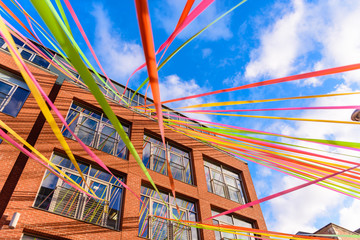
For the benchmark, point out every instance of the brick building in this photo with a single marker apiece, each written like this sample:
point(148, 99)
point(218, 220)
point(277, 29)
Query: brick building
point(207, 180)
point(332, 229)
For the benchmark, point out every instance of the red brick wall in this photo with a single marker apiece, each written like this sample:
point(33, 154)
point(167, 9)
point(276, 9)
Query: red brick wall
point(45, 222)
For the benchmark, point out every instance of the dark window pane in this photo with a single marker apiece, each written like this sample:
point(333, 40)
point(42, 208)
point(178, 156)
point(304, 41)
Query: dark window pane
point(146, 154)
point(18, 41)
point(16, 102)
point(121, 151)
point(25, 54)
point(64, 162)
point(71, 119)
point(114, 207)
point(46, 192)
point(4, 91)
point(143, 221)
point(1, 42)
point(40, 61)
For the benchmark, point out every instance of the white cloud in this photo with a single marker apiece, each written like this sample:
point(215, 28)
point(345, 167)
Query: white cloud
point(309, 36)
point(280, 45)
point(305, 207)
point(350, 216)
point(172, 87)
point(169, 18)
point(299, 210)
point(119, 58)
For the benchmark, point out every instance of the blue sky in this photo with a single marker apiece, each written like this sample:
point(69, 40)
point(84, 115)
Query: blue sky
point(260, 40)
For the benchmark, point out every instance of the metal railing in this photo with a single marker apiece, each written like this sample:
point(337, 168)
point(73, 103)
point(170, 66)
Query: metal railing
point(72, 203)
point(169, 230)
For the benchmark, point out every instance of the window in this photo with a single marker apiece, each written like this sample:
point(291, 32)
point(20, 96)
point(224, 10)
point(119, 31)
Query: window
point(224, 183)
point(13, 93)
point(1, 42)
point(26, 236)
point(95, 130)
point(154, 158)
point(152, 227)
point(27, 53)
point(59, 197)
point(230, 220)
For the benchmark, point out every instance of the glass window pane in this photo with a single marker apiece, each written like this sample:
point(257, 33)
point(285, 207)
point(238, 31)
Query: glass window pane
point(46, 191)
point(219, 188)
point(143, 219)
point(217, 176)
point(4, 91)
point(230, 181)
point(208, 178)
point(40, 61)
point(146, 154)
point(64, 162)
point(115, 180)
point(17, 41)
point(99, 174)
point(159, 209)
point(141, 100)
point(16, 102)
point(234, 194)
point(158, 228)
point(107, 140)
point(179, 160)
point(232, 174)
point(25, 54)
point(177, 168)
point(241, 223)
point(72, 120)
point(1, 42)
point(121, 150)
point(217, 234)
point(87, 130)
point(188, 177)
point(180, 231)
point(194, 231)
point(224, 219)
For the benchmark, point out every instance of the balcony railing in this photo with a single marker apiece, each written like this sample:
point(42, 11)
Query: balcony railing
point(165, 229)
point(72, 203)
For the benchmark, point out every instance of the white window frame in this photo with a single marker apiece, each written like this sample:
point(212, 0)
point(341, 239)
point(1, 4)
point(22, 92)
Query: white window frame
point(81, 206)
point(153, 146)
point(233, 224)
point(169, 208)
point(10, 94)
point(240, 192)
point(99, 127)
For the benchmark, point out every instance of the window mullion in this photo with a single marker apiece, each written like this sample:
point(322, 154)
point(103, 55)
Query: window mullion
point(227, 194)
point(9, 95)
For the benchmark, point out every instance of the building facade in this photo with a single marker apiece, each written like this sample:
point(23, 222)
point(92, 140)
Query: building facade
point(333, 229)
point(207, 180)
